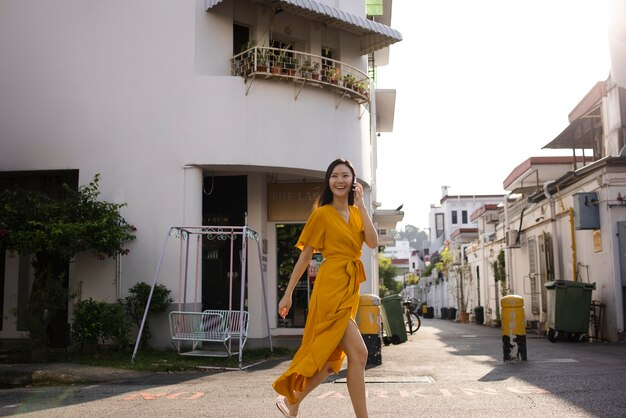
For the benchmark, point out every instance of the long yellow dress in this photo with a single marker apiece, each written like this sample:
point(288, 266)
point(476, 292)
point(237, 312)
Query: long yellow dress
point(335, 297)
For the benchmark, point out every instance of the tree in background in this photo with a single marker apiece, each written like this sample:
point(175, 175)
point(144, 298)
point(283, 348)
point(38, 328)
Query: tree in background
point(53, 231)
point(387, 273)
point(445, 262)
point(413, 234)
point(411, 279)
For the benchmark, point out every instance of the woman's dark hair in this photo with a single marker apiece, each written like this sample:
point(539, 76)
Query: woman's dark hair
point(326, 196)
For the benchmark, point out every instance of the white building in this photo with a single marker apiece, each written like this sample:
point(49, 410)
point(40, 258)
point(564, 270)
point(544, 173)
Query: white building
point(451, 226)
point(568, 220)
point(451, 218)
point(564, 220)
point(157, 98)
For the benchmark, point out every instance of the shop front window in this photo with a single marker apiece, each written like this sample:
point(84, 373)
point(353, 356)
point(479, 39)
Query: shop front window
point(286, 256)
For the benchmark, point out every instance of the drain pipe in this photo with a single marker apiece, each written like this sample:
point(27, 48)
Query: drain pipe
point(570, 211)
point(556, 253)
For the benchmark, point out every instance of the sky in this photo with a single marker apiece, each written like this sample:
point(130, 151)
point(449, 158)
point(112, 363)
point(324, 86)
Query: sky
point(481, 86)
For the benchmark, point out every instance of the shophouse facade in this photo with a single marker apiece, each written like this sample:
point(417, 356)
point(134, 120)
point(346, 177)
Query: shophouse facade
point(176, 106)
point(568, 219)
point(564, 219)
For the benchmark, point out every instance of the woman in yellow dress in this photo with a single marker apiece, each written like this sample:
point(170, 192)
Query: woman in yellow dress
point(337, 228)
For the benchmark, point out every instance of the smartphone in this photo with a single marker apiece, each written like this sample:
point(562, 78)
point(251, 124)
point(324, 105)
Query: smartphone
point(351, 194)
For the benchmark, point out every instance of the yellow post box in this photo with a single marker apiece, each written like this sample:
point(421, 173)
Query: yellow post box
point(513, 328)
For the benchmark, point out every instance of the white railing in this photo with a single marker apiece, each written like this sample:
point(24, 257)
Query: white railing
point(296, 66)
point(516, 208)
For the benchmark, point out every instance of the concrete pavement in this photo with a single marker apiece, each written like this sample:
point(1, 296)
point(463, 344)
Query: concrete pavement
point(446, 369)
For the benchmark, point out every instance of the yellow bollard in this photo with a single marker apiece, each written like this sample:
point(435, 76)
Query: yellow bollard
point(368, 320)
point(513, 328)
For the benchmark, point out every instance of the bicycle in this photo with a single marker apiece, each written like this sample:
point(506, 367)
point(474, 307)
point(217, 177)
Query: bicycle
point(413, 321)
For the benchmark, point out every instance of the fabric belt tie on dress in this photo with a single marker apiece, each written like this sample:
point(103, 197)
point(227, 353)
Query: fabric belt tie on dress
point(355, 270)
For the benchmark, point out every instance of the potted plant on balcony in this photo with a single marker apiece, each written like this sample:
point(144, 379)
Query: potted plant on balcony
point(315, 73)
point(263, 58)
point(279, 60)
point(331, 75)
point(306, 69)
point(291, 65)
point(310, 70)
point(362, 87)
point(349, 81)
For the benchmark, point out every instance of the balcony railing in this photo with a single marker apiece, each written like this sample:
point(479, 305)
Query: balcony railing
point(303, 69)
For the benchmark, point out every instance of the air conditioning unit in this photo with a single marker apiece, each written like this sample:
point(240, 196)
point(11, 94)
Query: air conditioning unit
point(511, 239)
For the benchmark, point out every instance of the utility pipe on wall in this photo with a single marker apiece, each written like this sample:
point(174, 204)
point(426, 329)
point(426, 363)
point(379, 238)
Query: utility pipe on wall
point(573, 233)
point(555, 234)
point(507, 251)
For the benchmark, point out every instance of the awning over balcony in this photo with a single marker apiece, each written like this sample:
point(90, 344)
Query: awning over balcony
point(374, 35)
point(580, 134)
point(585, 122)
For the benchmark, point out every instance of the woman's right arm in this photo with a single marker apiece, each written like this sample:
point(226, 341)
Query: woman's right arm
point(301, 265)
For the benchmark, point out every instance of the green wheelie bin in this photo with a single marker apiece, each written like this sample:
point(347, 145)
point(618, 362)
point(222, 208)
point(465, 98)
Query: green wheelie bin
point(568, 309)
point(393, 319)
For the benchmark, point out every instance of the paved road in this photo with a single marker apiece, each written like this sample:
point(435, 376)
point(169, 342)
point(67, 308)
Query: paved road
point(446, 369)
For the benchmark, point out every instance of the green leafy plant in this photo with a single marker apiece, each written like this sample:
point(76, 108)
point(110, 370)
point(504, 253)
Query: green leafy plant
point(387, 273)
point(282, 55)
point(332, 73)
point(136, 302)
point(307, 68)
point(53, 230)
point(499, 271)
point(445, 262)
point(349, 80)
point(95, 322)
point(363, 87)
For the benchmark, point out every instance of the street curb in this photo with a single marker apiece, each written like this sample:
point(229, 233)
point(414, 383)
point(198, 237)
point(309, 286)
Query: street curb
point(16, 375)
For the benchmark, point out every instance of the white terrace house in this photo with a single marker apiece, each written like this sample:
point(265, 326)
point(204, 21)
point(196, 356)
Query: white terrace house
point(565, 219)
point(451, 226)
point(216, 112)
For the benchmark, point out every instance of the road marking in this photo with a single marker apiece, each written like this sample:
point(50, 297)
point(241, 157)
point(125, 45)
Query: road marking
point(557, 360)
point(472, 392)
point(185, 396)
point(393, 379)
point(446, 393)
point(375, 393)
point(12, 406)
point(331, 394)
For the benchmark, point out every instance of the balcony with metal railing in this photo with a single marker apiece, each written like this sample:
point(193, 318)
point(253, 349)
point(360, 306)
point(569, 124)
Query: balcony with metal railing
point(304, 70)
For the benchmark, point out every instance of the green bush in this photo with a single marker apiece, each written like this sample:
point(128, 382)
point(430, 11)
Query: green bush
point(96, 322)
point(136, 302)
point(53, 228)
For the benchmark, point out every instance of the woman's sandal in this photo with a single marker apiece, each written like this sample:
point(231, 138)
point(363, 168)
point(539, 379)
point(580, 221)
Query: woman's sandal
point(284, 409)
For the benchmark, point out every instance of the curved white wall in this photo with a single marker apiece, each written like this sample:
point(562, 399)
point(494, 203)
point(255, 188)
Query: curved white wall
point(138, 90)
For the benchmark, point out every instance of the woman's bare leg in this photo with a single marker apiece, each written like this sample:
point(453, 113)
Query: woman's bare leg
point(356, 351)
point(313, 382)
